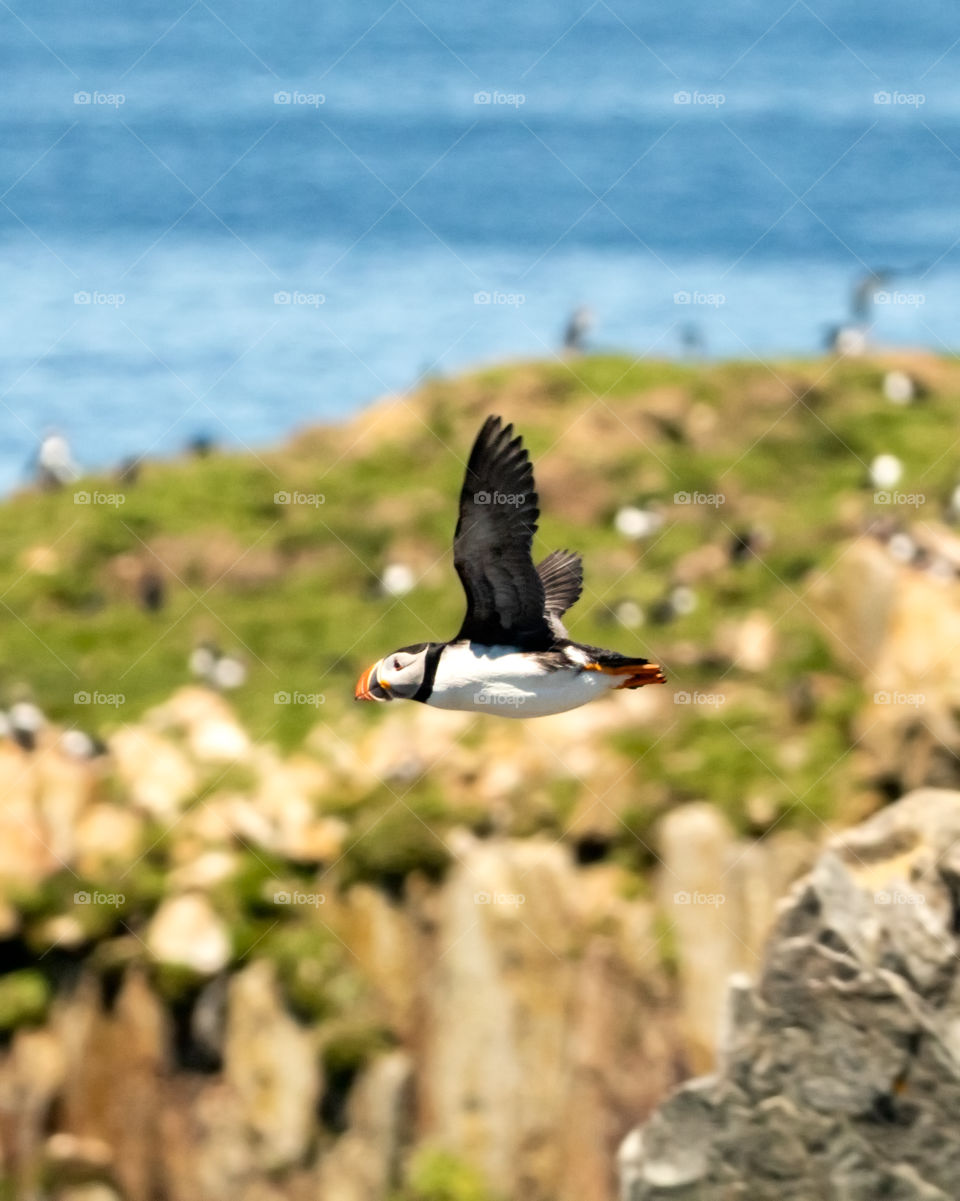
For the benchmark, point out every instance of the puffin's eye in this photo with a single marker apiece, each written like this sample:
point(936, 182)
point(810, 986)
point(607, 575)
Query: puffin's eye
point(396, 664)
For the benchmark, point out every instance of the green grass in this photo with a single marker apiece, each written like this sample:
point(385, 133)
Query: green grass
point(437, 1175)
point(292, 588)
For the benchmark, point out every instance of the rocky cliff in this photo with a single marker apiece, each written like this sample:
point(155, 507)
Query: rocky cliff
point(839, 1075)
point(276, 947)
point(221, 984)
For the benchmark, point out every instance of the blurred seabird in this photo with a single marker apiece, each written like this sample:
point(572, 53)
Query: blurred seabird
point(80, 745)
point(746, 543)
point(902, 547)
point(129, 470)
point(885, 471)
point(847, 340)
point(55, 466)
point(900, 388)
point(579, 324)
point(692, 341)
point(25, 720)
point(151, 591)
point(679, 602)
point(397, 579)
point(629, 614)
point(200, 445)
point(220, 671)
point(633, 522)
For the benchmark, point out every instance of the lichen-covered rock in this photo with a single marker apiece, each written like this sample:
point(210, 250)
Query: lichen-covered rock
point(271, 1066)
point(840, 1070)
point(186, 932)
point(157, 776)
point(207, 722)
point(366, 1163)
point(718, 893)
point(545, 968)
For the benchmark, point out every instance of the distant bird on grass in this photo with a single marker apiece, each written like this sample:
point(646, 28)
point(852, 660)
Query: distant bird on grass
point(512, 655)
point(128, 472)
point(847, 340)
point(397, 579)
point(55, 467)
point(886, 471)
point(851, 337)
point(201, 446)
point(900, 388)
point(579, 325)
point(633, 522)
point(679, 602)
point(23, 722)
point(151, 591)
point(692, 341)
point(220, 671)
point(78, 744)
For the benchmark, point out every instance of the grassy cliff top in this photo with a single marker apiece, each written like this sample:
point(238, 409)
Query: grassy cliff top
point(292, 586)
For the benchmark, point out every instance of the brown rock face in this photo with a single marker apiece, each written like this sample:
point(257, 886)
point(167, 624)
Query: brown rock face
point(897, 627)
point(520, 972)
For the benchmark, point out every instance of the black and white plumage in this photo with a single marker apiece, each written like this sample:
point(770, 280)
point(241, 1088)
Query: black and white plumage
point(511, 655)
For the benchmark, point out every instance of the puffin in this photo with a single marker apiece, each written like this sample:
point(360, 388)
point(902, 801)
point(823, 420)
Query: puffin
point(512, 656)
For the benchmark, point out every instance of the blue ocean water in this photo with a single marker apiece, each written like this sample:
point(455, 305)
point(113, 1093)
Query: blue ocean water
point(235, 218)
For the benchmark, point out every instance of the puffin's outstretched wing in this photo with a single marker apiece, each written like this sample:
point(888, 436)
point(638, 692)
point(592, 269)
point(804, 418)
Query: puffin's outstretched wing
point(493, 541)
point(561, 574)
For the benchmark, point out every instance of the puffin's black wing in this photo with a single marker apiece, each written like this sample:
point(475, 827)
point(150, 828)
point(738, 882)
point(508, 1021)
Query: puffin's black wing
point(561, 574)
point(492, 544)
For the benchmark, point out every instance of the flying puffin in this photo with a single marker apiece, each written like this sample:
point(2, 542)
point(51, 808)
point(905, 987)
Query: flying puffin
point(512, 656)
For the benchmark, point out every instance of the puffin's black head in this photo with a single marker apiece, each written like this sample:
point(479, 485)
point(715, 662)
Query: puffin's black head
point(400, 675)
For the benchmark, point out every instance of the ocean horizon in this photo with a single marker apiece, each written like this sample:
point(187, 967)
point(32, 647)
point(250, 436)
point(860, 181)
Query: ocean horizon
point(217, 221)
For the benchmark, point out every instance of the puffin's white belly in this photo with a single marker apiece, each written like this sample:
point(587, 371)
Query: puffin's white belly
point(500, 680)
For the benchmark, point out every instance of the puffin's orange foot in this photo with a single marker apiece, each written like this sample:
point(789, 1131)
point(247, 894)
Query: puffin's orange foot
point(650, 674)
point(637, 674)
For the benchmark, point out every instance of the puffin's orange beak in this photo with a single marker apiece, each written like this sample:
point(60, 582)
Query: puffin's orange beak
point(369, 687)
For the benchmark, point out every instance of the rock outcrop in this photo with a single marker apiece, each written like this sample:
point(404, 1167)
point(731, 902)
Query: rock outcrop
point(248, 976)
point(840, 1068)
